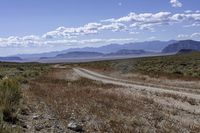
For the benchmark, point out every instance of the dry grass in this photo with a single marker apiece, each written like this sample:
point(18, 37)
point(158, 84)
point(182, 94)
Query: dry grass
point(10, 95)
point(101, 107)
point(12, 76)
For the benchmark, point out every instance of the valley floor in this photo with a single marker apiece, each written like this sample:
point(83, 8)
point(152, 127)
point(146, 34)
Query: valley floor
point(100, 101)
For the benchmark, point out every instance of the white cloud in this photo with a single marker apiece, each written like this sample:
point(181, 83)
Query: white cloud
point(195, 35)
point(113, 27)
point(91, 41)
point(188, 11)
point(90, 28)
point(192, 36)
point(133, 32)
point(143, 21)
point(197, 11)
point(147, 21)
point(34, 41)
point(175, 3)
point(25, 41)
point(31, 38)
point(145, 17)
point(157, 18)
point(183, 36)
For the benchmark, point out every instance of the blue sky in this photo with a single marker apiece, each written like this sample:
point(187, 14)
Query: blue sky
point(35, 26)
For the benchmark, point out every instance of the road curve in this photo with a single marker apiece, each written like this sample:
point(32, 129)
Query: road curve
point(106, 79)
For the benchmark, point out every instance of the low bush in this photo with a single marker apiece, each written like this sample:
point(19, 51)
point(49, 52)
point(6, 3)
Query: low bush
point(10, 95)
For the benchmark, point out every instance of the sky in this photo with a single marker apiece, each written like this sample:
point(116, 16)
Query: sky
point(36, 26)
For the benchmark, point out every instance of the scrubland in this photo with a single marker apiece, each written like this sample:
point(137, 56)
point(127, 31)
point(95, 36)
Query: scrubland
point(100, 107)
point(12, 76)
point(46, 98)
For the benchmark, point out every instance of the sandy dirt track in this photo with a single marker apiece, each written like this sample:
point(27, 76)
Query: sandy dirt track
point(106, 79)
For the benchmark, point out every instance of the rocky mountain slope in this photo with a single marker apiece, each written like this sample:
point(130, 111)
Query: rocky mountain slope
point(185, 44)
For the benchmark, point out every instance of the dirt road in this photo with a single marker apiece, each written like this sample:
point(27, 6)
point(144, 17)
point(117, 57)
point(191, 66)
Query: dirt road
point(164, 93)
point(106, 79)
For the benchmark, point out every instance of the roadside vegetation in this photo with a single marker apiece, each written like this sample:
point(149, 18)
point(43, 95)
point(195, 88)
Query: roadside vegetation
point(12, 77)
point(178, 66)
point(183, 66)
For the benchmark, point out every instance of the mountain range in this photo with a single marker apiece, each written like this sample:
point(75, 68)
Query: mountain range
point(155, 46)
point(113, 50)
point(11, 58)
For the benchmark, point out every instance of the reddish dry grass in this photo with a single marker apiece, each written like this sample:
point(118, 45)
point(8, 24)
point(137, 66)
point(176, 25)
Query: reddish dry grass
point(100, 107)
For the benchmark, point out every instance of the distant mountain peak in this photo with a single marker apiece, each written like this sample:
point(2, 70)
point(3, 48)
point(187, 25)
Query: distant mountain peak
point(183, 44)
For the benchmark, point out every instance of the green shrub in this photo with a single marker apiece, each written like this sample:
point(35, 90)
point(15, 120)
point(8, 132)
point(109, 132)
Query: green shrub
point(10, 95)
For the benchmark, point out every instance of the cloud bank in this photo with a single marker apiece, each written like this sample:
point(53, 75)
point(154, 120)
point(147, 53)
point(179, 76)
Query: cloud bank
point(129, 24)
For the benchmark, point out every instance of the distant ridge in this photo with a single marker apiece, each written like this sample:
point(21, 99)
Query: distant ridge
point(129, 52)
point(185, 44)
point(79, 54)
point(10, 59)
point(154, 46)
